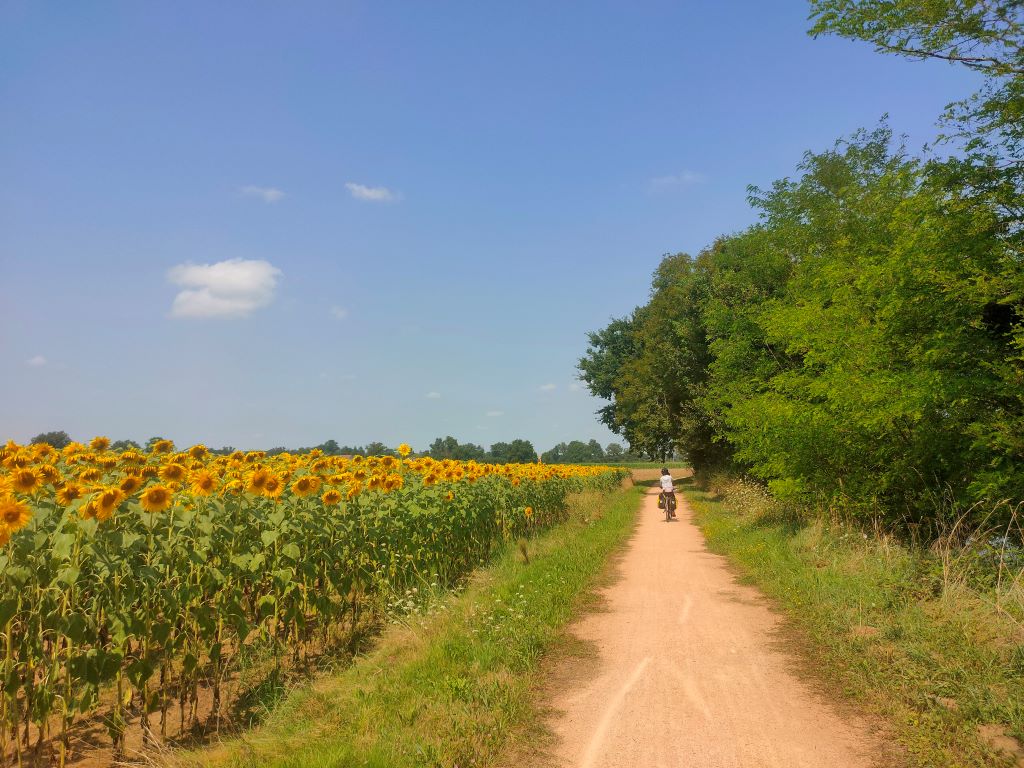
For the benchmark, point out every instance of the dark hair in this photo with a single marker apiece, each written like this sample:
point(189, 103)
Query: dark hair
point(664, 470)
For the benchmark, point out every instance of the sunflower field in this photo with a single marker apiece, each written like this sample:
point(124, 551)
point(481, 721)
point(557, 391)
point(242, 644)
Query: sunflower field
point(130, 580)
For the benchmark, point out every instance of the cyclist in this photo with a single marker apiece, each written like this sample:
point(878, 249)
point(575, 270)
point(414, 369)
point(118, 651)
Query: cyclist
point(668, 492)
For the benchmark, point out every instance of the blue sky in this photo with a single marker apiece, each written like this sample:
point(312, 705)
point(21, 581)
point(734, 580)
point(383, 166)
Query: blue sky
point(418, 209)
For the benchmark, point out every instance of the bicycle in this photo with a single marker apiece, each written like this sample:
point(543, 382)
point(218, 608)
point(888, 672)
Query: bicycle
point(667, 501)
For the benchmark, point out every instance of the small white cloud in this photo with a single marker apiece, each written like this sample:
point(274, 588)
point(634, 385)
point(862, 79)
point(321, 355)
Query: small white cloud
point(575, 387)
point(339, 313)
point(370, 194)
point(548, 387)
point(494, 414)
point(683, 179)
point(433, 395)
point(36, 362)
point(266, 194)
point(232, 288)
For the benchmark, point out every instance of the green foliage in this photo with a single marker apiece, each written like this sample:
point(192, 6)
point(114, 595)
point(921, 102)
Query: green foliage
point(862, 346)
point(456, 685)
point(987, 37)
point(58, 440)
point(516, 452)
point(575, 452)
point(654, 368)
point(450, 448)
point(124, 445)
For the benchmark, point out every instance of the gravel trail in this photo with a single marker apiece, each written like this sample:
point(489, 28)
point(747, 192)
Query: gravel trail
point(693, 671)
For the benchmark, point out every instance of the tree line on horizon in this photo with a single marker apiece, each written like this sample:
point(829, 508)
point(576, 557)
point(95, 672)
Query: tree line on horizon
point(861, 347)
point(518, 451)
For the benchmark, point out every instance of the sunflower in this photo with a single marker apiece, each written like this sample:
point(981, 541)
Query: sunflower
point(106, 502)
point(156, 498)
point(305, 485)
point(331, 497)
point(162, 446)
point(90, 475)
point(88, 510)
point(132, 456)
point(5, 536)
point(354, 489)
point(50, 474)
point(273, 487)
point(14, 514)
point(528, 512)
point(198, 451)
point(449, 496)
point(25, 480)
point(68, 493)
point(203, 483)
point(130, 484)
point(173, 472)
point(99, 443)
point(258, 479)
point(17, 461)
point(404, 450)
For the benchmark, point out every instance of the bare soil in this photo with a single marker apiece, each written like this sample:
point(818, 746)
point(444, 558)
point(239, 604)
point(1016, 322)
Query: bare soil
point(692, 668)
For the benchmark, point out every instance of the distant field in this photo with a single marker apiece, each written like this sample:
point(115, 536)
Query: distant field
point(650, 464)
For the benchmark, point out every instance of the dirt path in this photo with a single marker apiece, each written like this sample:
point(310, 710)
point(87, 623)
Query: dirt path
point(692, 672)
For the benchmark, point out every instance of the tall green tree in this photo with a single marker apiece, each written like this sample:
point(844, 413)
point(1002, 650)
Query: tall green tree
point(58, 439)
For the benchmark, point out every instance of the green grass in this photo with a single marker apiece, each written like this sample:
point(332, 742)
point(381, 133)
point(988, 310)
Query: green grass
point(889, 628)
point(651, 464)
point(455, 686)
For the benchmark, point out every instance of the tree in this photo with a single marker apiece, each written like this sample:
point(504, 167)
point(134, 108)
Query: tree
point(654, 368)
point(987, 37)
point(517, 452)
point(124, 445)
point(450, 448)
point(330, 447)
point(614, 453)
point(378, 449)
point(58, 440)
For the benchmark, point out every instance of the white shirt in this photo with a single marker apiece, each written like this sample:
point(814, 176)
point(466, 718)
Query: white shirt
point(666, 484)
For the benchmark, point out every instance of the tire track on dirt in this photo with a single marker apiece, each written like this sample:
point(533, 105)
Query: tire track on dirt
point(692, 671)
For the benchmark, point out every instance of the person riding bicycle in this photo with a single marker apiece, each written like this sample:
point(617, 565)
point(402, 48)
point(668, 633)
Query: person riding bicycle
point(668, 492)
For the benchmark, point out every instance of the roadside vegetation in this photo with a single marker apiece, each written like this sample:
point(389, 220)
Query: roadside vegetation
point(452, 682)
point(930, 638)
point(859, 349)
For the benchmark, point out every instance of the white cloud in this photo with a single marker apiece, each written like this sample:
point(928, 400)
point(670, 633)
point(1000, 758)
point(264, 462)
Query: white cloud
point(494, 414)
point(370, 194)
point(266, 194)
point(548, 387)
point(433, 395)
point(36, 362)
point(575, 387)
point(683, 179)
point(339, 313)
point(232, 288)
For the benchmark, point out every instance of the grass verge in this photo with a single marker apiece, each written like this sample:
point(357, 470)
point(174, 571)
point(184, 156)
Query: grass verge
point(453, 687)
point(944, 668)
